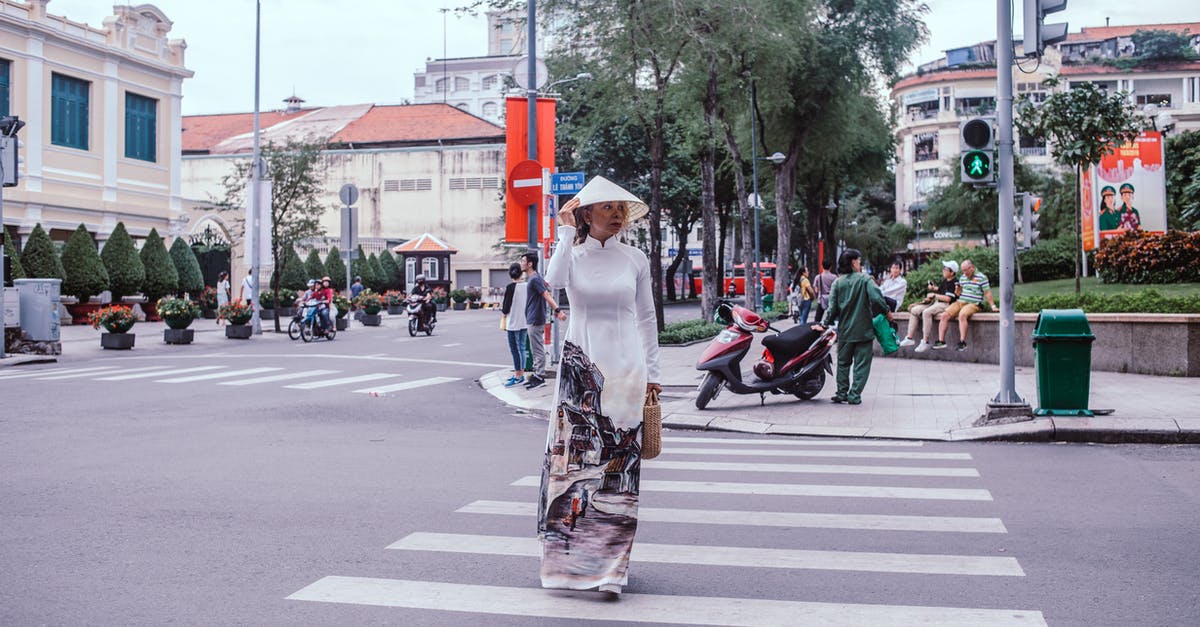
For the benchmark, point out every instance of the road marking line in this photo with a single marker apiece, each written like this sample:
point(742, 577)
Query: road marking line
point(757, 452)
point(871, 522)
point(830, 469)
point(794, 489)
point(102, 371)
point(332, 382)
point(645, 608)
point(792, 442)
point(450, 345)
point(39, 373)
point(280, 377)
point(17, 373)
point(752, 557)
point(397, 387)
point(146, 375)
point(216, 375)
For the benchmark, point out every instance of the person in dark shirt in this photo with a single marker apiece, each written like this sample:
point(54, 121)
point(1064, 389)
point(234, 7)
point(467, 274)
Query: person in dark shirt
point(921, 315)
point(423, 290)
point(537, 297)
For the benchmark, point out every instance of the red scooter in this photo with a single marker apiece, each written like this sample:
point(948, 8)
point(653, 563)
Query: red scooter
point(793, 362)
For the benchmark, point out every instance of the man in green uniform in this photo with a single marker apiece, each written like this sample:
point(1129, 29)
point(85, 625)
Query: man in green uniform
point(850, 304)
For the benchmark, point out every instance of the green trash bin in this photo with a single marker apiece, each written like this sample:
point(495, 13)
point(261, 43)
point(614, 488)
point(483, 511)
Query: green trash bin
point(1062, 348)
point(768, 302)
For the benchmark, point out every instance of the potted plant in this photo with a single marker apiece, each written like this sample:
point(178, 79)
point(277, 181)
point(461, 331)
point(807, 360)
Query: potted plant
point(395, 302)
point(370, 304)
point(267, 299)
point(85, 275)
point(286, 306)
point(208, 303)
point(117, 320)
point(439, 298)
point(341, 323)
point(178, 313)
point(161, 278)
point(459, 297)
point(238, 314)
point(473, 296)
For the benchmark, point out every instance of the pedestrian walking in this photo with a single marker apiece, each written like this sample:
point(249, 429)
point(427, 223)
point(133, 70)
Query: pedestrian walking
point(513, 310)
point(805, 295)
point(822, 285)
point(246, 291)
point(851, 300)
point(356, 288)
point(609, 365)
point(537, 297)
point(224, 292)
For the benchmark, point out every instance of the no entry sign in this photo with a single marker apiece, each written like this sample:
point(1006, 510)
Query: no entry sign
point(525, 182)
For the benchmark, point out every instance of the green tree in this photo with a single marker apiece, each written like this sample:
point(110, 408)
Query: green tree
point(161, 276)
point(14, 256)
point(335, 269)
point(126, 273)
point(361, 267)
point(314, 268)
point(1183, 180)
point(191, 278)
point(1163, 45)
point(378, 274)
point(1081, 124)
point(297, 170)
point(39, 257)
point(85, 274)
point(292, 277)
point(391, 269)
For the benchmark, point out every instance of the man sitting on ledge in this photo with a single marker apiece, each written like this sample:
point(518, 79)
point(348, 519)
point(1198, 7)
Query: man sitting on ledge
point(937, 299)
point(973, 287)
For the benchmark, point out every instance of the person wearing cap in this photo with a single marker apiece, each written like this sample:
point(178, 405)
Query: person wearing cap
point(1129, 219)
point(324, 296)
point(1109, 215)
point(609, 365)
point(852, 299)
point(938, 297)
point(973, 288)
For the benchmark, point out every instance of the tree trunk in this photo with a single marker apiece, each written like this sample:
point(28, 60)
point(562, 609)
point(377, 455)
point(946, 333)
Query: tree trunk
point(1078, 226)
point(708, 200)
point(785, 192)
point(747, 222)
point(657, 159)
point(670, 278)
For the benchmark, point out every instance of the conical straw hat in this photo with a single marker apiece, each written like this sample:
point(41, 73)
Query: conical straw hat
point(600, 189)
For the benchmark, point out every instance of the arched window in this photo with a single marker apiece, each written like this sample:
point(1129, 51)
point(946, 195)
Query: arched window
point(410, 271)
point(461, 84)
point(490, 109)
point(429, 267)
point(440, 85)
point(464, 106)
point(489, 82)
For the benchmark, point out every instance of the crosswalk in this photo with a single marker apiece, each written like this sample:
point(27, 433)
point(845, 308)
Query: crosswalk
point(378, 383)
point(888, 490)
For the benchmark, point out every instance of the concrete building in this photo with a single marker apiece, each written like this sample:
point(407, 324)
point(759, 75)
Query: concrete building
point(419, 168)
point(102, 114)
point(473, 84)
point(930, 104)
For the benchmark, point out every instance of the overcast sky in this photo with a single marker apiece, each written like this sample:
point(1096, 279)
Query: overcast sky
point(346, 52)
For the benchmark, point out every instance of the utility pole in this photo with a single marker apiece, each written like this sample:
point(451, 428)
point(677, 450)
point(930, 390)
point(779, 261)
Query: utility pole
point(753, 298)
point(1006, 404)
point(255, 178)
point(531, 118)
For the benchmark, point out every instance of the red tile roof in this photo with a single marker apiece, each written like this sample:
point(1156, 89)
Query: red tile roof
point(943, 75)
point(1092, 68)
point(1100, 33)
point(424, 243)
point(386, 125)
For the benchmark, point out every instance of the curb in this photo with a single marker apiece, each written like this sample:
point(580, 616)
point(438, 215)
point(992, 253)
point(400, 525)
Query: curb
point(13, 360)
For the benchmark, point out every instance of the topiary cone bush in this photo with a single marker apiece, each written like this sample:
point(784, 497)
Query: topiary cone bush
point(293, 275)
point(395, 279)
point(85, 273)
point(161, 277)
point(314, 268)
point(335, 269)
point(191, 278)
point(39, 259)
point(378, 274)
point(125, 270)
point(14, 256)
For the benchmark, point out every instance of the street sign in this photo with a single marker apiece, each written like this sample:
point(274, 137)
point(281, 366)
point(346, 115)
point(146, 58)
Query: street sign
point(525, 182)
point(566, 182)
point(691, 252)
point(348, 194)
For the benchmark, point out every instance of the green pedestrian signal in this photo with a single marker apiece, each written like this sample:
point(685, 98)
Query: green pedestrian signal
point(977, 145)
point(977, 165)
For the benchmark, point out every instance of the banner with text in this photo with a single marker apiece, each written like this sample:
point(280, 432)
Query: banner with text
point(1128, 191)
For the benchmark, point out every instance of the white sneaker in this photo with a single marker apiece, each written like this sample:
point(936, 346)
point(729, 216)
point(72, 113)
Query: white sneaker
point(922, 347)
point(908, 341)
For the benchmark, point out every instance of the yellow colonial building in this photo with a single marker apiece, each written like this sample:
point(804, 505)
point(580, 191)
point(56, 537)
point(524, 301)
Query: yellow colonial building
point(102, 139)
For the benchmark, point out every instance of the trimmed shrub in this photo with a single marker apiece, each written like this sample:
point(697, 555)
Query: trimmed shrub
point(1144, 301)
point(39, 259)
point(14, 256)
point(191, 278)
point(378, 274)
point(161, 277)
point(293, 275)
point(335, 268)
point(395, 278)
point(688, 331)
point(85, 273)
point(1048, 260)
point(314, 268)
point(126, 273)
point(1140, 257)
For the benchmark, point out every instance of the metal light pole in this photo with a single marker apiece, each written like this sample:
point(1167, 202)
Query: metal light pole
point(1007, 402)
point(756, 299)
point(255, 177)
point(531, 119)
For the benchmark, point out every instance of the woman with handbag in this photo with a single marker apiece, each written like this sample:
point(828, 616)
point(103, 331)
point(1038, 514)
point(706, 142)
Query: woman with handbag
point(608, 369)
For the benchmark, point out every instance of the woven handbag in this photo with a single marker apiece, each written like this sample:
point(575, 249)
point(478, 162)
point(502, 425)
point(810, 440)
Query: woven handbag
point(651, 426)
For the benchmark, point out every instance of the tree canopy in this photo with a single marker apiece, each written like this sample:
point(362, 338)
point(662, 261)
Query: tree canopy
point(39, 257)
point(191, 278)
point(126, 272)
point(161, 276)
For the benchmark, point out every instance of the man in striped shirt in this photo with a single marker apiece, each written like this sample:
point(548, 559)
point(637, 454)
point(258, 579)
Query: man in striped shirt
point(973, 287)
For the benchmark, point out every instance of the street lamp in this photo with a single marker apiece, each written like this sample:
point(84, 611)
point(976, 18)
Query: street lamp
point(582, 76)
point(777, 158)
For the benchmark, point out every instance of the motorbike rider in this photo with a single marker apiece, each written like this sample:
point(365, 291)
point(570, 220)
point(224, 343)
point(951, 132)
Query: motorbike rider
point(308, 294)
point(426, 293)
point(324, 297)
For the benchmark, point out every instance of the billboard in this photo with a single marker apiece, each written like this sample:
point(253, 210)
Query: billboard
point(516, 215)
point(1126, 191)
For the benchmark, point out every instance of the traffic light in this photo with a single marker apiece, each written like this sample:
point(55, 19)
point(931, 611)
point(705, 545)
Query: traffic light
point(1030, 212)
point(1039, 35)
point(977, 149)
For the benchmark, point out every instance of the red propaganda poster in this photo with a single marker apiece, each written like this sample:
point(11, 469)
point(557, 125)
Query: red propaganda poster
point(1087, 212)
point(1129, 189)
point(516, 215)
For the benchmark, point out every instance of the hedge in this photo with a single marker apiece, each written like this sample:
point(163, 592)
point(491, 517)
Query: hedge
point(1048, 260)
point(335, 269)
point(85, 274)
point(126, 273)
point(688, 331)
point(1144, 301)
point(39, 259)
point(14, 256)
point(161, 277)
point(191, 278)
point(1140, 257)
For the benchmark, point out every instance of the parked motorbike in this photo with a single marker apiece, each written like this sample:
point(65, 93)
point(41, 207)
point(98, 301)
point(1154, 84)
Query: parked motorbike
point(794, 361)
point(418, 318)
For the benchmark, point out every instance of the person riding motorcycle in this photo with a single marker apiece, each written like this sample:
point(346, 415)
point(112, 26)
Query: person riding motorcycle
point(324, 296)
point(426, 293)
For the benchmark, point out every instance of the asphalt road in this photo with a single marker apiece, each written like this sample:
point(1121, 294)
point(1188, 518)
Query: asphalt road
point(403, 498)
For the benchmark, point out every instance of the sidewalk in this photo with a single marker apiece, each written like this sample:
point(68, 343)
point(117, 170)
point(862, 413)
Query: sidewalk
point(913, 399)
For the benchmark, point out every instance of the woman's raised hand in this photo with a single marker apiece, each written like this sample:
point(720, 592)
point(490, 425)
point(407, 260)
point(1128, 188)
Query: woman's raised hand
point(566, 214)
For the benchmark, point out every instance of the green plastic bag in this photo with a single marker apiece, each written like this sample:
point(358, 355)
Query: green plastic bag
point(885, 334)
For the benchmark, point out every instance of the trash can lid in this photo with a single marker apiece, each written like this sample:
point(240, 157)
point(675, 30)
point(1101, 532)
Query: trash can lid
point(1066, 323)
